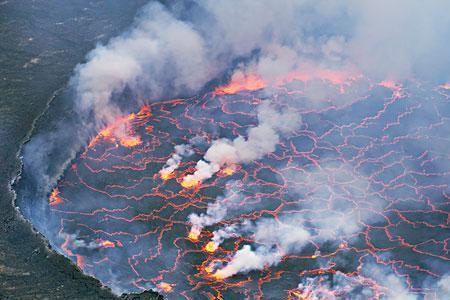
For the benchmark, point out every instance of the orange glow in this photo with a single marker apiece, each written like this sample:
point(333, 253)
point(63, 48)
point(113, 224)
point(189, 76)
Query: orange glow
point(211, 247)
point(228, 171)
point(301, 296)
point(166, 175)
point(119, 130)
point(80, 261)
point(335, 77)
point(107, 244)
point(217, 276)
point(190, 183)
point(445, 86)
point(105, 133)
point(131, 117)
point(209, 269)
point(130, 141)
point(193, 236)
point(242, 82)
point(165, 287)
point(54, 198)
point(194, 233)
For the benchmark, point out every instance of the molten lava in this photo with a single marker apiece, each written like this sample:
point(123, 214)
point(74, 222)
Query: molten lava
point(194, 233)
point(107, 244)
point(120, 131)
point(211, 247)
point(190, 183)
point(55, 198)
point(165, 287)
point(242, 82)
point(166, 175)
point(130, 141)
point(228, 171)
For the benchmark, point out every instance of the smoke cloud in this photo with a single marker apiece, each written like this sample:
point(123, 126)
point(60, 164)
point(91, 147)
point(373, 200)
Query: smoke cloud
point(160, 54)
point(216, 211)
point(174, 162)
point(181, 48)
point(395, 287)
point(289, 234)
point(277, 238)
point(261, 140)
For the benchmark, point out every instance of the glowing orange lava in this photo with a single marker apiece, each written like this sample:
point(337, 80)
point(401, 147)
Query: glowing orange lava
point(54, 198)
point(389, 84)
point(119, 131)
point(209, 269)
point(194, 233)
point(242, 82)
point(130, 141)
point(299, 296)
point(107, 244)
point(165, 287)
point(211, 247)
point(252, 81)
point(205, 272)
point(229, 171)
point(166, 175)
point(217, 276)
point(189, 183)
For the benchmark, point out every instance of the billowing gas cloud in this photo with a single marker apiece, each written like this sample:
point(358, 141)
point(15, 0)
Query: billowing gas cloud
point(395, 287)
point(372, 282)
point(179, 49)
point(215, 212)
point(277, 238)
point(159, 54)
point(224, 233)
point(443, 287)
point(261, 140)
point(289, 234)
point(341, 285)
point(174, 161)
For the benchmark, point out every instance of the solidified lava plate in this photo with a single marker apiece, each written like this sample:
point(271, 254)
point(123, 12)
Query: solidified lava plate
point(364, 177)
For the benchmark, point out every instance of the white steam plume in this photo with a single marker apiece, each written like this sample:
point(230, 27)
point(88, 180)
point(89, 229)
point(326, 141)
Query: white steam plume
point(261, 140)
point(215, 212)
point(395, 287)
point(224, 233)
point(277, 238)
point(158, 54)
point(174, 161)
point(289, 235)
point(176, 50)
